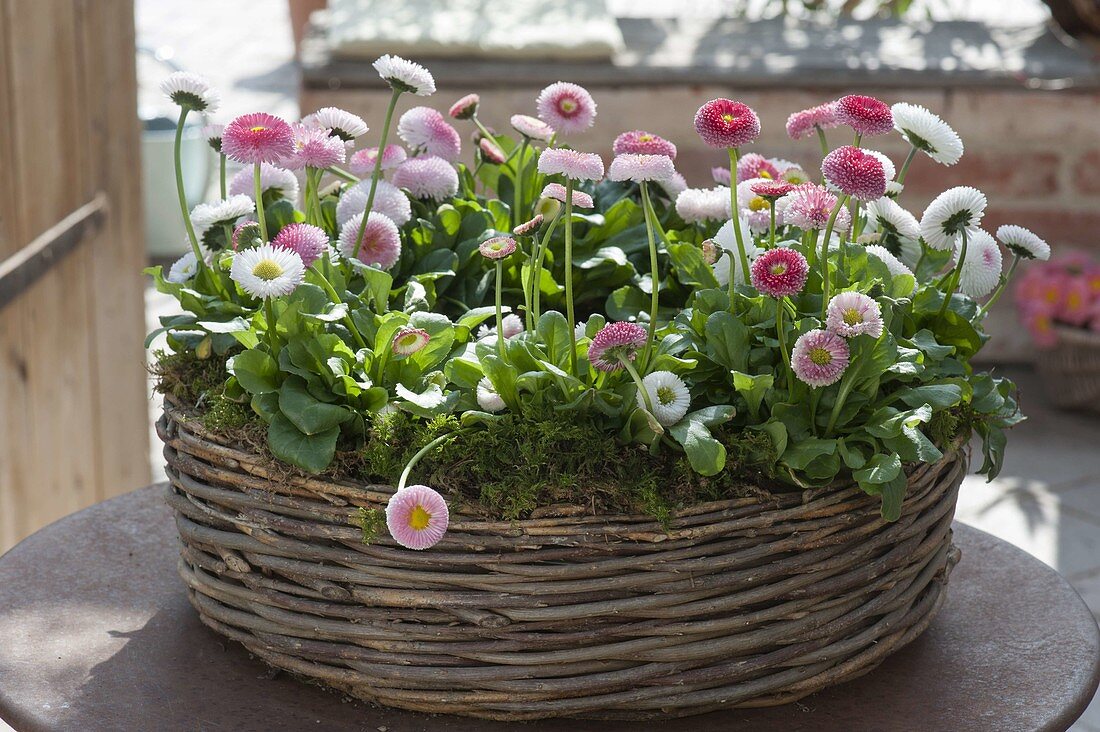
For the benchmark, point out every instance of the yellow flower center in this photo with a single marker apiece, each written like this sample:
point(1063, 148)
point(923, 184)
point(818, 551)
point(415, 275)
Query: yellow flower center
point(257, 128)
point(645, 138)
point(419, 518)
point(852, 317)
point(820, 356)
point(727, 117)
point(665, 395)
point(267, 269)
point(758, 204)
point(1073, 300)
point(778, 268)
point(568, 106)
point(764, 174)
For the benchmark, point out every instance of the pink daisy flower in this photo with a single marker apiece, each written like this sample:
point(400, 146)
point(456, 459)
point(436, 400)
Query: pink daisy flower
point(1076, 302)
point(249, 231)
point(465, 108)
point(491, 151)
point(771, 189)
point(721, 175)
point(423, 128)
point(819, 358)
point(530, 226)
point(362, 162)
point(314, 147)
point(381, 245)
point(498, 247)
point(760, 221)
point(556, 191)
point(638, 168)
point(808, 121)
point(257, 138)
point(616, 341)
point(866, 115)
point(1039, 323)
point(779, 272)
point(417, 517)
point(752, 165)
point(409, 340)
point(638, 142)
point(726, 123)
point(809, 206)
point(427, 176)
point(511, 323)
point(855, 172)
point(567, 108)
point(852, 313)
point(673, 185)
point(570, 163)
point(388, 200)
point(308, 241)
point(532, 127)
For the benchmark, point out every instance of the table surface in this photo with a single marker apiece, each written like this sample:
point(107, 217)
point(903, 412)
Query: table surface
point(98, 635)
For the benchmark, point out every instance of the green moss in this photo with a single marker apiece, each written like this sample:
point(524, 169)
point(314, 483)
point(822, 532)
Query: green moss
point(371, 521)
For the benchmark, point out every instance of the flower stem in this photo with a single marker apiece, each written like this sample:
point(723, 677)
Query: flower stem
point(337, 299)
point(257, 186)
point(517, 199)
point(377, 171)
point(221, 176)
point(485, 130)
point(569, 276)
point(825, 256)
point(500, 316)
point(182, 195)
point(735, 217)
point(313, 175)
point(343, 174)
point(782, 336)
point(771, 233)
point(821, 139)
point(905, 166)
point(420, 454)
point(654, 275)
point(272, 342)
point(638, 382)
point(1000, 288)
point(536, 272)
point(954, 283)
point(846, 385)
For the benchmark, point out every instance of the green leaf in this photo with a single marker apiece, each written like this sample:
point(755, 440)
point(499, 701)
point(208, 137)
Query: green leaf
point(312, 453)
point(893, 495)
point(938, 396)
point(706, 455)
point(553, 332)
point(727, 341)
point(879, 469)
point(799, 454)
point(753, 389)
point(309, 414)
point(691, 269)
point(256, 371)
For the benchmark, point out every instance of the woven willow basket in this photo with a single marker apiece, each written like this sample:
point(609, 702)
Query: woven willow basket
point(1071, 370)
point(738, 604)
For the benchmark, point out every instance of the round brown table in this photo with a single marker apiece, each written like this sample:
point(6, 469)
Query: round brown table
point(96, 634)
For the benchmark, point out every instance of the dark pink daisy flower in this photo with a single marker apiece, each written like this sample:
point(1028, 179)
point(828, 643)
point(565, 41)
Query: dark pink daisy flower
point(465, 108)
point(638, 142)
point(866, 115)
point(753, 165)
point(809, 121)
point(314, 147)
point(614, 342)
point(309, 242)
point(566, 107)
point(779, 272)
point(772, 189)
point(855, 172)
point(725, 123)
point(257, 138)
point(491, 151)
point(528, 227)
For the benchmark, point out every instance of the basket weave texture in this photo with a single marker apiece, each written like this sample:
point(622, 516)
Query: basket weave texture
point(1071, 370)
point(738, 603)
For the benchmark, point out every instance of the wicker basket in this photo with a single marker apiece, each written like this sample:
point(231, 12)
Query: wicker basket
point(737, 604)
point(1071, 370)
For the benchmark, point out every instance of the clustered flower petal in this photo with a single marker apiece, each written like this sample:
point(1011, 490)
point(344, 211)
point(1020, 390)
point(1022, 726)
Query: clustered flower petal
point(266, 271)
point(1023, 243)
point(381, 245)
point(556, 191)
point(980, 272)
point(640, 168)
point(307, 241)
point(673, 185)
point(771, 189)
point(639, 142)
point(779, 272)
point(749, 166)
point(570, 163)
point(866, 115)
point(809, 207)
point(809, 121)
point(257, 138)
point(616, 341)
point(725, 123)
point(511, 323)
point(314, 147)
point(206, 215)
point(855, 172)
point(726, 238)
point(819, 357)
point(363, 161)
point(423, 128)
point(191, 91)
point(417, 517)
point(567, 108)
point(669, 395)
point(491, 151)
point(928, 133)
point(532, 127)
point(427, 176)
point(955, 209)
point(893, 264)
point(339, 122)
point(404, 75)
point(498, 247)
point(388, 199)
point(183, 269)
point(272, 178)
point(852, 313)
point(213, 136)
point(886, 215)
point(465, 108)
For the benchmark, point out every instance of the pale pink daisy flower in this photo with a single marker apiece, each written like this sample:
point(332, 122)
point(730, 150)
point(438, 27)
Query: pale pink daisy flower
point(363, 161)
point(855, 172)
point(570, 163)
point(752, 165)
point(760, 221)
point(852, 313)
point(491, 151)
point(417, 517)
point(639, 168)
point(530, 226)
point(614, 342)
point(339, 122)
point(409, 340)
point(866, 115)
point(808, 121)
point(819, 357)
point(809, 207)
point(257, 138)
point(423, 128)
point(511, 323)
point(556, 191)
point(314, 147)
point(779, 272)
point(673, 185)
point(498, 247)
point(721, 175)
point(308, 241)
point(567, 108)
point(465, 108)
point(388, 199)
point(381, 245)
point(404, 75)
point(487, 396)
point(725, 123)
point(639, 142)
point(532, 127)
point(696, 205)
point(272, 178)
point(427, 176)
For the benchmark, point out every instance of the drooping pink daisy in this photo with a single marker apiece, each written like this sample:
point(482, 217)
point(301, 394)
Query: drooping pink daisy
point(808, 121)
point(491, 151)
point(381, 245)
point(809, 206)
point(638, 168)
point(339, 122)
point(314, 147)
point(498, 247)
point(866, 115)
point(779, 272)
point(532, 127)
point(529, 226)
point(570, 163)
point(614, 342)
point(752, 165)
point(819, 357)
point(257, 138)
point(409, 340)
point(246, 235)
point(427, 176)
point(771, 189)
point(465, 108)
point(567, 108)
point(639, 142)
point(423, 128)
point(417, 517)
point(852, 313)
point(556, 191)
point(362, 162)
point(725, 123)
point(308, 241)
point(855, 172)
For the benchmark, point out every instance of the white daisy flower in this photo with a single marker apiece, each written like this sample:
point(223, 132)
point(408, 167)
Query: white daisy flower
point(206, 215)
point(893, 188)
point(405, 75)
point(899, 230)
point(927, 132)
point(271, 178)
point(487, 397)
point(949, 213)
point(191, 91)
point(1023, 243)
point(512, 324)
point(266, 272)
point(430, 398)
point(727, 241)
point(892, 263)
point(580, 330)
point(669, 395)
point(343, 124)
point(695, 205)
point(183, 269)
point(888, 166)
point(981, 270)
point(388, 199)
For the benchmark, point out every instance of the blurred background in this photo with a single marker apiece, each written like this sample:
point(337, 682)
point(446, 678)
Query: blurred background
point(87, 195)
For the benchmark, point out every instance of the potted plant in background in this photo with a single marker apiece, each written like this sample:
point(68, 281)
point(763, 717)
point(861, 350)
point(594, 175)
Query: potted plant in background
point(524, 439)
